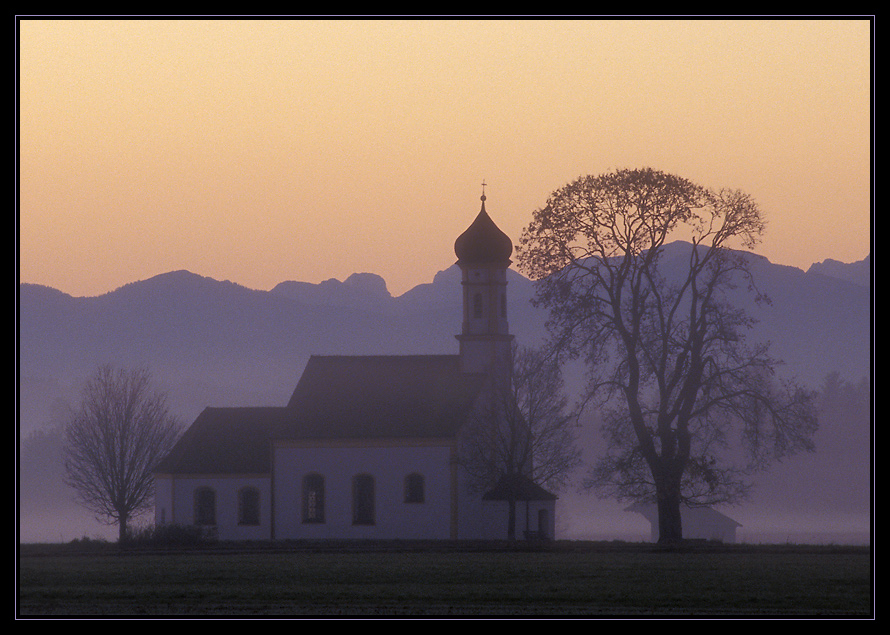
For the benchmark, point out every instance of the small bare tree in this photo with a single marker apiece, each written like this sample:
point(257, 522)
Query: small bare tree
point(525, 429)
point(113, 441)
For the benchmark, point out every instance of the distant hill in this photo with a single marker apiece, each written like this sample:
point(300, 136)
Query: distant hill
point(211, 342)
point(361, 290)
point(856, 272)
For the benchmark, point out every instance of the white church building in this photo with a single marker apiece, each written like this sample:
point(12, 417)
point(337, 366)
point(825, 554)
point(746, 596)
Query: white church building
point(368, 446)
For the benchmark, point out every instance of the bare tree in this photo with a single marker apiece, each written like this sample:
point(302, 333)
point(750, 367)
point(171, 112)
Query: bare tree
point(114, 440)
point(525, 430)
point(681, 391)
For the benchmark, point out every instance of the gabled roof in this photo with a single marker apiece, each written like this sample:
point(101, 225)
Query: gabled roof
point(518, 488)
point(225, 441)
point(337, 397)
point(708, 514)
point(381, 396)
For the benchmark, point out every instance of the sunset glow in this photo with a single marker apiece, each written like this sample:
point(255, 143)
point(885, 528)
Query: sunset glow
point(260, 151)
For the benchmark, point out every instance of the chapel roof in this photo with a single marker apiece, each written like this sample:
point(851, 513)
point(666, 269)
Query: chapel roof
point(483, 242)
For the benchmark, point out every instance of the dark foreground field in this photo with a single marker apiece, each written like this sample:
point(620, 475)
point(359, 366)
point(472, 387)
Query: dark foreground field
point(447, 579)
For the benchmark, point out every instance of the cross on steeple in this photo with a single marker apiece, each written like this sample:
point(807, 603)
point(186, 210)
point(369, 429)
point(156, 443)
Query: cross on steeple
point(483, 190)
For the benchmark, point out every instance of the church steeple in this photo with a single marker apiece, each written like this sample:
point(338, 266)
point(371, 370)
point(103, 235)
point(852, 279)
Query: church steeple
point(483, 241)
point(483, 255)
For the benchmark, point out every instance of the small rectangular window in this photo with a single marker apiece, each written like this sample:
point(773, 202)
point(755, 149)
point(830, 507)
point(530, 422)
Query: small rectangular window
point(249, 506)
point(477, 305)
point(313, 498)
point(414, 488)
point(205, 506)
point(363, 500)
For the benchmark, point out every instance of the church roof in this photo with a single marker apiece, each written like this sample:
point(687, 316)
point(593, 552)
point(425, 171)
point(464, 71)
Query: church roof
point(337, 397)
point(483, 242)
point(381, 396)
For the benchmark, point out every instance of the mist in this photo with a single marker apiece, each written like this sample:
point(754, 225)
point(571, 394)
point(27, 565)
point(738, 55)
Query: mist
point(213, 343)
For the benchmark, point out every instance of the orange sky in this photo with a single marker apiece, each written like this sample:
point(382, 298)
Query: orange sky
point(264, 151)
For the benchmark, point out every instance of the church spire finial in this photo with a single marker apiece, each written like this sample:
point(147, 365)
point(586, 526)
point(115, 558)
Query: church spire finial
point(482, 198)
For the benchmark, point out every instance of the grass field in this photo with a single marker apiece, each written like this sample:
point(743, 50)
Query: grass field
point(559, 579)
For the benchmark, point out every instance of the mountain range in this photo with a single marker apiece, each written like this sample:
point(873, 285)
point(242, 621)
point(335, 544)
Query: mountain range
point(216, 343)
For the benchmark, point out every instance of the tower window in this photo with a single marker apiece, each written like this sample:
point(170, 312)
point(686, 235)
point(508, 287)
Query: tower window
point(477, 305)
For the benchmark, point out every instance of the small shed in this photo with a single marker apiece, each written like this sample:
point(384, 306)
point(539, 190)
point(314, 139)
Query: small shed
point(701, 523)
point(535, 509)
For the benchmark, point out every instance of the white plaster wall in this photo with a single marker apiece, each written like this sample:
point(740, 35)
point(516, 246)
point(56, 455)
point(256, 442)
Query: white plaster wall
point(697, 528)
point(694, 527)
point(472, 520)
point(394, 518)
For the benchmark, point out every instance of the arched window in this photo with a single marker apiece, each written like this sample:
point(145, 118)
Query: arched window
point(414, 488)
point(205, 506)
point(477, 305)
point(363, 499)
point(248, 506)
point(313, 498)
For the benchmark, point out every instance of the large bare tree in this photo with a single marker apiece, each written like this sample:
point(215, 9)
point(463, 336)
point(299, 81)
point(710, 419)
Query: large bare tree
point(113, 441)
point(525, 430)
point(680, 390)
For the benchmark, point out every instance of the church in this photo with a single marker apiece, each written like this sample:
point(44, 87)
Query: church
point(368, 447)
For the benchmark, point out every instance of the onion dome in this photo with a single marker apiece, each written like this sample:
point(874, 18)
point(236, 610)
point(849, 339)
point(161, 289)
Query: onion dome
point(483, 241)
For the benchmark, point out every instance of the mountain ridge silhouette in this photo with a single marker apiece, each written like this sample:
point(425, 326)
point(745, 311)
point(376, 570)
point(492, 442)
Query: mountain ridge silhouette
point(217, 343)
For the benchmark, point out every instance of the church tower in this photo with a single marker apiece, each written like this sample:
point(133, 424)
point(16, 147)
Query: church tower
point(483, 255)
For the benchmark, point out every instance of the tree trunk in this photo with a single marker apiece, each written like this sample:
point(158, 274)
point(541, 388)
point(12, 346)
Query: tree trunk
point(122, 530)
point(670, 524)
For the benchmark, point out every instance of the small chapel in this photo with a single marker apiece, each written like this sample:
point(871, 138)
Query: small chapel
point(367, 447)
